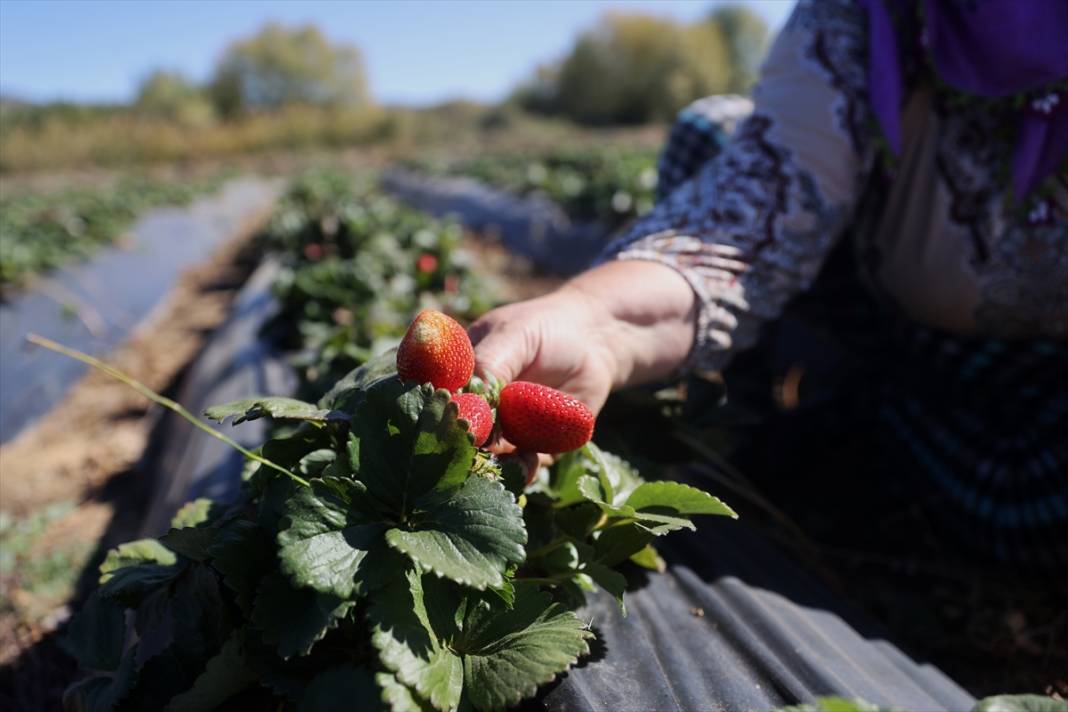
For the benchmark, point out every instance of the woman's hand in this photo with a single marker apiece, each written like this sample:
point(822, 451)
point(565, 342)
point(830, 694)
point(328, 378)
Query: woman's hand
point(619, 324)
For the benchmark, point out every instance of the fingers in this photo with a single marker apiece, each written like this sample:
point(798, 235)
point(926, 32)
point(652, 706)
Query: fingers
point(502, 349)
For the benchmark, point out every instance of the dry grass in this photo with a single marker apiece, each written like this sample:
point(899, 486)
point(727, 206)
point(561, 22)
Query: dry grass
point(124, 138)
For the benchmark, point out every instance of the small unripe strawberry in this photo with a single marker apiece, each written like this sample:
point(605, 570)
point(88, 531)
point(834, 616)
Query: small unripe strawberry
point(436, 350)
point(542, 419)
point(478, 414)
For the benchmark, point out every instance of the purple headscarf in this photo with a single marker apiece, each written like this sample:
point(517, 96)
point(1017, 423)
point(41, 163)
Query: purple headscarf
point(990, 48)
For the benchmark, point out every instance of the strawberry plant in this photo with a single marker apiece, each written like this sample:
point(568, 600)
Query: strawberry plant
point(378, 555)
point(374, 263)
point(611, 186)
point(375, 559)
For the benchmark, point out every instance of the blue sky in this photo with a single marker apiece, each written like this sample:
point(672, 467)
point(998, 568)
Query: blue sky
point(414, 52)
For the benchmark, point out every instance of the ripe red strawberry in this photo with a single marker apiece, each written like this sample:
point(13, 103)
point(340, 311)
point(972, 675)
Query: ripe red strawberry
point(436, 350)
point(427, 263)
point(478, 414)
point(542, 419)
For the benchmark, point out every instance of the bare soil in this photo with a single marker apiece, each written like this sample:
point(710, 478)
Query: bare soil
point(83, 458)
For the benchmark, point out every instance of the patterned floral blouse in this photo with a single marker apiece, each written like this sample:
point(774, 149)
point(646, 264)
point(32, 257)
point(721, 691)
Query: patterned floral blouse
point(972, 384)
point(943, 244)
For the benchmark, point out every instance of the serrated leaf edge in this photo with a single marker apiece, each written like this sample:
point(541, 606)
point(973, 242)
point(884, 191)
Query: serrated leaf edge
point(532, 689)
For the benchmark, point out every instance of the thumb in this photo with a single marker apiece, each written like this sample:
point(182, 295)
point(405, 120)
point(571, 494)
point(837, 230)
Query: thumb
point(502, 351)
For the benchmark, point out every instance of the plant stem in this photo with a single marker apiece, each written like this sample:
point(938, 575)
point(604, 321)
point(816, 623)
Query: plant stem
point(161, 400)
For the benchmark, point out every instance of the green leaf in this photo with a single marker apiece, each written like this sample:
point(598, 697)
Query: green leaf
point(564, 476)
point(243, 553)
point(288, 451)
point(412, 639)
point(1020, 703)
point(617, 544)
point(399, 697)
point(470, 535)
point(349, 392)
point(342, 689)
point(225, 675)
point(193, 513)
point(294, 619)
point(603, 473)
point(649, 558)
point(407, 441)
point(513, 477)
point(559, 559)
point(660, 520)
point(591, 489)
point(609, 579)
point(661, 524)
point(96, 634)
point(133, 570)
point(505, 592)
point(578, 520)
point(103, 693)
point(508, 654)
point(160, 678)
point(316, 461)
point(274, 495)
point(618, 477)
point(274, 407)
point(132, 553)
point(676, 496)
point(329, 529)
point(191, 542)
point(200, 613)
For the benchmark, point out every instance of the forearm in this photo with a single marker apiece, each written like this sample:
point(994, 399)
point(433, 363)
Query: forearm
point(644, 316)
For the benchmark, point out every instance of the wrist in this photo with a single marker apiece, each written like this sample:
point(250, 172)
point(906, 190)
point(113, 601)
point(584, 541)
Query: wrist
point(641, 317)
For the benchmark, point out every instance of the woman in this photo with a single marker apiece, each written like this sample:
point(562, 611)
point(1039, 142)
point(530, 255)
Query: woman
point(907, 160)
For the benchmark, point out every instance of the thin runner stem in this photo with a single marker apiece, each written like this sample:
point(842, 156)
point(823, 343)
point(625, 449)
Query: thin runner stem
point(161, 400)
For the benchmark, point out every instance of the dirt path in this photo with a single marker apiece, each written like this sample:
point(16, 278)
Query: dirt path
point(71, 477)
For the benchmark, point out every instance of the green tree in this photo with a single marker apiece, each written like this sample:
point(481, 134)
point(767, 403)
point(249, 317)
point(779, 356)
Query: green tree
point(170, 95)
point(746, 36)
point(280, 66)
point(635, 68)
point(632, 69)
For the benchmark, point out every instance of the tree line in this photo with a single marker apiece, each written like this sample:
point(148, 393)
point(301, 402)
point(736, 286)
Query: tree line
point(627, 69)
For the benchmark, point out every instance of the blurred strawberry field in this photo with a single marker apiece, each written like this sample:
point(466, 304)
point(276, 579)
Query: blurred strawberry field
point(357, 265)
point(609, 185)
point(40, 231)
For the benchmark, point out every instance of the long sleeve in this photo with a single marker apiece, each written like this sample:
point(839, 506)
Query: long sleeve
point(753, 226)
